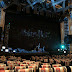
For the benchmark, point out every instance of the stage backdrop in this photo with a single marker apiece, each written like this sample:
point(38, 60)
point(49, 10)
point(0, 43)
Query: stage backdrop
point(27, 32)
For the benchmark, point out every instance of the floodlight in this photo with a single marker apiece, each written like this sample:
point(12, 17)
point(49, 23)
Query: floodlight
point(64, 51)
point(14, 51)
point(6, 50)
point(3, 47)
point(58, 49)
point(62, 46)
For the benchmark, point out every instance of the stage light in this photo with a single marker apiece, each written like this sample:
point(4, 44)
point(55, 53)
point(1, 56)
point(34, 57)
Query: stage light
point(64, 51)
point(14, 51)
point(62, 46)
point(9, 23)
point(61, 49)
point(3, 47)
point(2, 3)
point(6, 50)
point(58, 49)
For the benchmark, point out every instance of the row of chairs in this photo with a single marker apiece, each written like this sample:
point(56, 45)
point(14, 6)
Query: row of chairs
point(56, 69)
point(22, 65)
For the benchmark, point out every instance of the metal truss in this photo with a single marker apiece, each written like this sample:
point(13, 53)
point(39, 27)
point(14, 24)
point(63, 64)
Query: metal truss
point(51, 3)
point(55, 5)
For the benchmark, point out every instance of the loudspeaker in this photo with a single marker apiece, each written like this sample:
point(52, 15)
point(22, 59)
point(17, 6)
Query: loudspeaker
point(68, 39)
point(0, 33)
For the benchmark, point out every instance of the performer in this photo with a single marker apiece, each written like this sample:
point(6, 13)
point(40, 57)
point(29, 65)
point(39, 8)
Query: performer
point(38, 47)
point(43, 48)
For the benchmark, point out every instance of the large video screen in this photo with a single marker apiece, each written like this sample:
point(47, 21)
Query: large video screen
point(27, 32)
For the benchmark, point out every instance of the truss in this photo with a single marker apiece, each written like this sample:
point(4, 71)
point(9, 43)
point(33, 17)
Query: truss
point(50, 3)
point(55, 5)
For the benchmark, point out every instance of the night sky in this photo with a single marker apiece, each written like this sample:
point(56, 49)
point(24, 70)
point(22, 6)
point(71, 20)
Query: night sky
point(28, 31)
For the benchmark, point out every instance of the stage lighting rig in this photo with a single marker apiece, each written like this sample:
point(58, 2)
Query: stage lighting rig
point(55, 7)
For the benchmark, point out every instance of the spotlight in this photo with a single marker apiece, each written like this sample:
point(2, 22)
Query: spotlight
point(14, 51)
point(3, 47)
point(62, 46)
point(58, 49)
point(64, 51)
point(9, 23)
point(6, 50)
point(61, 49)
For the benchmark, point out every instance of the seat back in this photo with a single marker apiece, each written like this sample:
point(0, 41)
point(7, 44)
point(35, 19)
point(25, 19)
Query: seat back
point(19, 67)
point(46, 66)
point(25, 70)
point(45, 70)
point(2, 68)
point(34, 68)
point(11, 66)
point(2, 65)
point(56, 65)
point(60, 69)
point(67, 63)
point(70, 68)
point(26, 65)
point(51, 61)
point(45, 60)
point(45, 63)
point(23, 59)
point(34, 65)
point(6, 70)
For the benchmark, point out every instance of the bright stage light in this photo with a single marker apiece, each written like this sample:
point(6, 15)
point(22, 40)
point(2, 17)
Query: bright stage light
point(14, 51)
point(58, 49)
point(9, 23)
point(3, 47)
point(62, 46)
point(6, 50)
point(64, 51)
